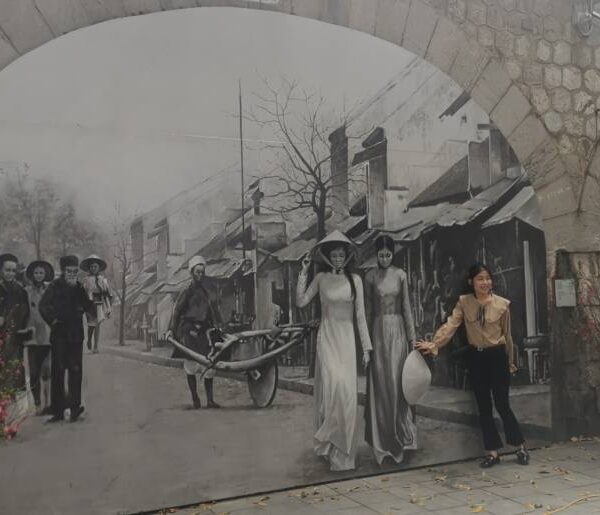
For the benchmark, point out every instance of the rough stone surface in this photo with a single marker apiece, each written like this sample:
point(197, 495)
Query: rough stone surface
point(552, 76)
point(561, 100)
point(476, 12)
point(562, 53)
point(485, 35)
point(505, 43)
point(565, 144)
point(540, 99)
point(582, 101)
point(553, 121)
point(514, 69)
point(582, 56)
point(592, 80)
point(571, 78)
point(544, 51)
point(533, 74)
point(574, 124)
point(552, 29)
point(590, 128)
point(523, 46)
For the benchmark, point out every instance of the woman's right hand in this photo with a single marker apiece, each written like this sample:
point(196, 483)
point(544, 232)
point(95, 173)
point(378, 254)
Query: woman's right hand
point(426, 348)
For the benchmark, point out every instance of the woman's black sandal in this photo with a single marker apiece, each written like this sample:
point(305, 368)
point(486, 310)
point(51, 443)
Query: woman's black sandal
point(489, 461)
point(523, 457)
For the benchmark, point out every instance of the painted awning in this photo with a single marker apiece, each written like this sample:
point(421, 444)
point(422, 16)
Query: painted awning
point(468, 211)
point(523, 206)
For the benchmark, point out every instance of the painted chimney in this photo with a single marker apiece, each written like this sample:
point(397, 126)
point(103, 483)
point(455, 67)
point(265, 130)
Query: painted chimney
point(338, 147)
point(479, 166)
point(375, 153)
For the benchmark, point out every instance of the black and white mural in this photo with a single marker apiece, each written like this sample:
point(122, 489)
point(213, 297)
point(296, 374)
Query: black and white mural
point(223, 234)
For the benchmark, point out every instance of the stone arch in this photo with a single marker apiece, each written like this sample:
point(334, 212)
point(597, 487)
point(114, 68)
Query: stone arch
point(412, 24)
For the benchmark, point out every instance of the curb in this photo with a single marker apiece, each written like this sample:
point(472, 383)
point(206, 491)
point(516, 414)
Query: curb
point(530, 431)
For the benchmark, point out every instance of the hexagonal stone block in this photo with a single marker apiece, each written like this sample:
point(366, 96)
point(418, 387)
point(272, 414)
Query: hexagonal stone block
point(540, 99)
point(523, 46)
point(591, 78)
point(562, 53)
point(553, 30)
point(476, 12)
point(571, 78)
point(582, 100)
point(582, 56)
point(517, 22)
point(561, 100)
point(544, 51)
point(552, 76)
point(533, 73)
point(485, 35)
point(553, 121)
point(505, 42)
point(574, 124)
point(514, 69)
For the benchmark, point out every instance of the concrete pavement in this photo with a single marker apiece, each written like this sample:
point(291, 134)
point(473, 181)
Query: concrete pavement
point(562, 478)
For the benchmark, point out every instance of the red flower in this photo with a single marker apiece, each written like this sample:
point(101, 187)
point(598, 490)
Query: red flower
point(10, 431)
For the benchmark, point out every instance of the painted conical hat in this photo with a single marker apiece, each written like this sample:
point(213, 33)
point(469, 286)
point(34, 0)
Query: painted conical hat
point(416, 377)
point(334, 237)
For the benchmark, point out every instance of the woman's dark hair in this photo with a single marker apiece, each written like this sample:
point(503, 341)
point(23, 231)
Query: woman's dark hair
point(328, 247)
point(384, 242)
point(474, 271)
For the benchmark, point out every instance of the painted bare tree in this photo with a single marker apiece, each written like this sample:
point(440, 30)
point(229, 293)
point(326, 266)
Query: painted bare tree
point(304, 176)
point(122, 264)
point(30, 204)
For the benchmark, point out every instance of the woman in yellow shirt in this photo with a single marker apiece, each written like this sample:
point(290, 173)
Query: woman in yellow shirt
point(490, 359)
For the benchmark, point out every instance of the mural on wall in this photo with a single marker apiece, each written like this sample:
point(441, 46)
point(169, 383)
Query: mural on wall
point(202, 186)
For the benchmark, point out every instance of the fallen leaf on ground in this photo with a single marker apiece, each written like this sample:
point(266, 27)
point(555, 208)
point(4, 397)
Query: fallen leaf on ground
point(385, 479)
point(419, 501)
point(460, 486)
point(478, 508)
point(442, 478)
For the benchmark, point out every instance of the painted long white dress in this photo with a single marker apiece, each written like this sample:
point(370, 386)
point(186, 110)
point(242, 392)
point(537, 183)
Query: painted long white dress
point(336, 388)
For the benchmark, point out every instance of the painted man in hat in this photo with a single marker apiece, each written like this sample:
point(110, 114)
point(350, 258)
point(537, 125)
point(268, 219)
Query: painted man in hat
point(99, 293)
point(62, 307)
point(14, 312)
point(193, 315)
point(39, 273)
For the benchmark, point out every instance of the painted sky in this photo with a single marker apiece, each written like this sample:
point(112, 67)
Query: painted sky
point(139, 109)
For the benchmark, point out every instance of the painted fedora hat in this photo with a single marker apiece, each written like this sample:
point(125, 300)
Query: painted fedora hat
point(48, 269)
point(93, 258)
point(416, 377)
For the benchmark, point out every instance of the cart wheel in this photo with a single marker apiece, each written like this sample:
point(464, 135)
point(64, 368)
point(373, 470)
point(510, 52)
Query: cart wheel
point(263, 388)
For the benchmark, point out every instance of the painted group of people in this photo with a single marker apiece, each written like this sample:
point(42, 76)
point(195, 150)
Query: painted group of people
point(41, 321)
point(380, 312)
